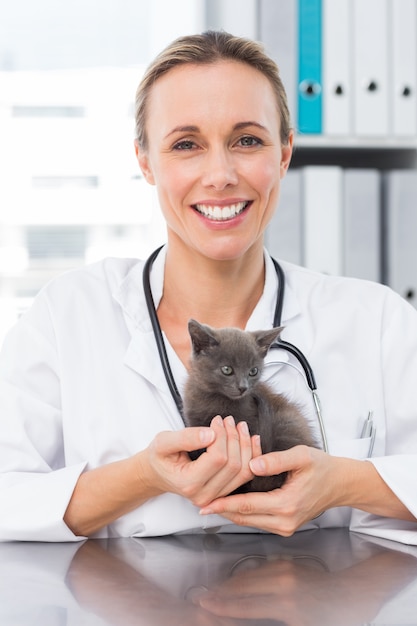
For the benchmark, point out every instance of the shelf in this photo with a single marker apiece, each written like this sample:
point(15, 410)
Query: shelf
point(383, 154)
point(356, 143)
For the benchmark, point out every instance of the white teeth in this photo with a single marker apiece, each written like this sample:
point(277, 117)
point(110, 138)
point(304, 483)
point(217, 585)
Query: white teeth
point(221, 213)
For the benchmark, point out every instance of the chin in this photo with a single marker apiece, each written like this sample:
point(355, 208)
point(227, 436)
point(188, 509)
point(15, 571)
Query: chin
point(225, 250)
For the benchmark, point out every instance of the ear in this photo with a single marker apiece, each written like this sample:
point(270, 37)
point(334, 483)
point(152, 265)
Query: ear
point(286, 154)
point(143, 160)
point(202, 337)
point(265, 338)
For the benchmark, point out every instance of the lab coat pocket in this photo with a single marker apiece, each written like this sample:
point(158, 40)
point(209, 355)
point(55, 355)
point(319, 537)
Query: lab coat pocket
point(351, 448)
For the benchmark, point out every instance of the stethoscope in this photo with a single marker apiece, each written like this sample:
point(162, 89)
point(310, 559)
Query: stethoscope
point(278, 344)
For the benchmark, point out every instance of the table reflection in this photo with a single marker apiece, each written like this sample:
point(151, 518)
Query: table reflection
point(318, 577)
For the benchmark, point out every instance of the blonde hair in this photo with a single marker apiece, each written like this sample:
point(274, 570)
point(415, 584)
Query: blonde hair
point(206, 48)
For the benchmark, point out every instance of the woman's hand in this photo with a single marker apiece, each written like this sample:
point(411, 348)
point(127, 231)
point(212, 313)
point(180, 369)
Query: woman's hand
point(316, 482)
point(311, 487)
point(223, 467)
point(282, 511)
point(105, 493)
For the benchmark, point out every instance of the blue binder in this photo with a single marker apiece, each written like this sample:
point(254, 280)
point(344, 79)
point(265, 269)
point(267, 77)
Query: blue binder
point(309, 66)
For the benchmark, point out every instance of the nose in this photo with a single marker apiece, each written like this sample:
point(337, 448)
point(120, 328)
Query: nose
point(243, 387)
point(219, 169)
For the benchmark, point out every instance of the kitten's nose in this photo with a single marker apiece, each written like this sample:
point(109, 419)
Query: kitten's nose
point(243, 388)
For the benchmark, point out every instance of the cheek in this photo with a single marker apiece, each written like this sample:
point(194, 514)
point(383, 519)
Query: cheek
point(264, 176)
point(268, 185)
point(174, 180)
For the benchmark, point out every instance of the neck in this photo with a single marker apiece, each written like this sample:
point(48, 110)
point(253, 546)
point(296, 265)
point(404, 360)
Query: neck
point(218, 293)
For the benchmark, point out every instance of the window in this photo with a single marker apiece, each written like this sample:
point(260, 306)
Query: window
point(71, 191)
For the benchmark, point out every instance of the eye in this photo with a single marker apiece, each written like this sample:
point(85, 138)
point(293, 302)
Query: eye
point(184, 144)
point(253, 371)
point(248, 141)
point(227, 370)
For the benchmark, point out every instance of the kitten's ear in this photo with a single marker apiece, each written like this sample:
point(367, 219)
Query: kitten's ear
point(202, 336)
point(265, 338)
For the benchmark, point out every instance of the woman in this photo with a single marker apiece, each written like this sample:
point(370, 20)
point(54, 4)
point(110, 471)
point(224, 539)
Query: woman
point(91, 441)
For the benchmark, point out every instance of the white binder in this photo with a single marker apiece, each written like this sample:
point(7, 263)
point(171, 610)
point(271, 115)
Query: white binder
point(278, 30)
point(284, 236)
point(337, 88)
point(401, 232)
point(362, 224)
point(403, 84)
point(323, 214)
point(370, 67)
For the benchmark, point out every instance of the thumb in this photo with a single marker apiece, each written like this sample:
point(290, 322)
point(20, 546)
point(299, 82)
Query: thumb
point(273, 463)
point(187, 439)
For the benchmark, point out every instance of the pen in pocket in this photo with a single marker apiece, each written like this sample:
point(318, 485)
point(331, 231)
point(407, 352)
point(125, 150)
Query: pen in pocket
point(369, 430)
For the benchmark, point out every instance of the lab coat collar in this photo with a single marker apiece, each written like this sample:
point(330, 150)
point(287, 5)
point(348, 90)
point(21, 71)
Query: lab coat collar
point(130, 296)
point(263, 314)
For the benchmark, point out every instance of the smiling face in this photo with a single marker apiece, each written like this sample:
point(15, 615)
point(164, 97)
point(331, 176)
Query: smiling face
point(215, 155)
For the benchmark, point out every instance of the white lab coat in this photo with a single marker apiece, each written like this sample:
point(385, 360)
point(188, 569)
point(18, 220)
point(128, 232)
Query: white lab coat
point(81, 385)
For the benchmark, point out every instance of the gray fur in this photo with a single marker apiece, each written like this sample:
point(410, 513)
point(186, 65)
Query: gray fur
point(210, 392)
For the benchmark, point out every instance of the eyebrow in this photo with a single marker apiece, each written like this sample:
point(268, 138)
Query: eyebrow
point(190, 128)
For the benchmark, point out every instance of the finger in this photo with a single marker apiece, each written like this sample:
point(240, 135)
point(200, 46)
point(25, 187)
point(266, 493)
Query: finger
point(233, 439)
point(278, 462)
point(246, 443)
point(226, 461)
point(247, 449)
point(242, 504)
point(224, 454)
point(187, 439)
point(239, 453)
point(256, 446)
point(258, 510)
point(215, 456)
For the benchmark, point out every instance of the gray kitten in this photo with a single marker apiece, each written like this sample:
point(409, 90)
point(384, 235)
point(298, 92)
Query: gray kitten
point(224, 379)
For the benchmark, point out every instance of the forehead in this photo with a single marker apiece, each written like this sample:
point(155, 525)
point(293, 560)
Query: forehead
point(197, 93)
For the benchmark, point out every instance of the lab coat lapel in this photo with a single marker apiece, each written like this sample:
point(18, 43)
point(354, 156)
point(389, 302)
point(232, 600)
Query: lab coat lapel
point(141, 355)
point(298, 324)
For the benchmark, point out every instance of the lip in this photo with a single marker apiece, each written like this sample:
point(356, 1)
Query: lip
point(223, 212)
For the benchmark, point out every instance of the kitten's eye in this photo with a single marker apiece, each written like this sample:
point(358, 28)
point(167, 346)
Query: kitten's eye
point(253, 371)
point(227, 370)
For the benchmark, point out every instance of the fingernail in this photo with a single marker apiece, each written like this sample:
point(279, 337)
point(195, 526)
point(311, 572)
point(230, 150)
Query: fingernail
point(206, 511)
point(217, 421)
point(206, 435)
point(257, 465)
point(243, 426)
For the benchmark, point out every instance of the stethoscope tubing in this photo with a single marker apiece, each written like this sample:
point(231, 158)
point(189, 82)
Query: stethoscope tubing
point(160, 344)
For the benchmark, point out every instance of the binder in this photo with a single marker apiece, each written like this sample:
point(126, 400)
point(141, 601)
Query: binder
point(278, 30)
point(284, 235)
point(336, 52)
point(309, 67)
point(401, 232)
point(403, 84)
point(323, 214)
point(362, 224)
point(370, 67)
